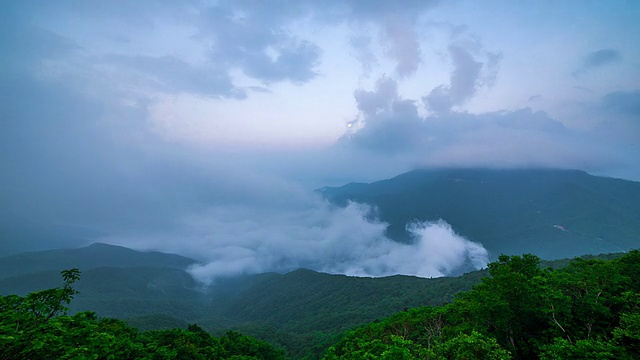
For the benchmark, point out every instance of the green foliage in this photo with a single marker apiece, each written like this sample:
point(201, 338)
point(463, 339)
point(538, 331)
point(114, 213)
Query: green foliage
point(393, 348)
point(36, 327)
point(628, 335)
point(507, 304)
point(562, 349)
point(473, 346)
point(516, 308)
point(23, 319)
point(590, 309)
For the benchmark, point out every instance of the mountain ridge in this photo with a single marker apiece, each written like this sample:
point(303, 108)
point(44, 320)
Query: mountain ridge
point(297, 310)
point(553, 213)
point(88, 257)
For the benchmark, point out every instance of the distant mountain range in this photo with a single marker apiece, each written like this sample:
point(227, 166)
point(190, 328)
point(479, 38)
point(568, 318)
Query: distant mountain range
point(152, 290)
point(115, 275)
point(302, 310)
point(550, 213)
point(90, 257)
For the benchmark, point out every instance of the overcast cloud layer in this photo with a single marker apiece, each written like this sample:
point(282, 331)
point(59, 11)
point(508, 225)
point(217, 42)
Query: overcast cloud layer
point(203, 127)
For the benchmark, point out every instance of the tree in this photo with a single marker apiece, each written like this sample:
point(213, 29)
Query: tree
point(562, 349)
point(36, 327)
point(23, 319)
point(507, 305)
point(473, 346)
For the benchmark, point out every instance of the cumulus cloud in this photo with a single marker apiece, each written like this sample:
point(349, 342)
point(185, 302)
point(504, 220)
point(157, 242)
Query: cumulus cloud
point(442, 248)
point(393, 25)
point(387, 123)
point(217, 40)
point(361, 45)
point(257, 37)
point(391, 127)
point(72, 179)
point(401, 42)
point(254, 37)
point(465, 79)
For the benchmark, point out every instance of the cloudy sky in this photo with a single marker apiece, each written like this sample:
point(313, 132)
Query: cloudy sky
point(202, 126)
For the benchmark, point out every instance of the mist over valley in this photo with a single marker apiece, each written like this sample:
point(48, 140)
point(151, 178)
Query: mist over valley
point(342, 179)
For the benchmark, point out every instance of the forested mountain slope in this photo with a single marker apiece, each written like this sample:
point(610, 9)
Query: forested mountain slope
point(551, 213)
point(36, 326)
point(518, 309)
point(587, 310)
point(303, 310)
point(85, 258)
point(294, 309)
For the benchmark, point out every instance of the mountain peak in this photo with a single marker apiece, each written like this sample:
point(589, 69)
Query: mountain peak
point(511, 211)
point(89, 257)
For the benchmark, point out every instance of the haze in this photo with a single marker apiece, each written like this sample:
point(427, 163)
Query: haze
point(203, 127)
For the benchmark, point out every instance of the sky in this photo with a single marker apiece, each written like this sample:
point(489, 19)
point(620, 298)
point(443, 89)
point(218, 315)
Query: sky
point(203, 127)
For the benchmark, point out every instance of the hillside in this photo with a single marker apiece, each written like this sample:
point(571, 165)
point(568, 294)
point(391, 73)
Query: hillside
point(304, 311)
point(586, 310)
point(116, 281)
point(85, 258)
point(550, 213)
point(295, 309)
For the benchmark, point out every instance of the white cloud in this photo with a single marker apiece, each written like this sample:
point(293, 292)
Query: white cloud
point(158, 120)
point(347, 240)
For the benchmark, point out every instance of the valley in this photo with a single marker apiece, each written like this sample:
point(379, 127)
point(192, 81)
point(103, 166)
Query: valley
point(554, 214)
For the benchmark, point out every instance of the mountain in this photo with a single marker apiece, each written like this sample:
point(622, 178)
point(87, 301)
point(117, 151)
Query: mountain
point(547, 212)
point(304, 311)
point(153, 291)
point(116, 281)
point(121, 282)
point(306, 301)
point(85, 258)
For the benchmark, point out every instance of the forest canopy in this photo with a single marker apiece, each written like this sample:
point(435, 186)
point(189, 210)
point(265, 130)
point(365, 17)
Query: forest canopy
point(588, 309)
point(37, 326)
